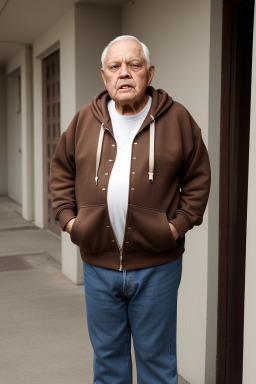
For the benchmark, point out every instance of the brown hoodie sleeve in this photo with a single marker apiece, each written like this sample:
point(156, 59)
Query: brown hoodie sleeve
point(194, 187)
point(62, 177)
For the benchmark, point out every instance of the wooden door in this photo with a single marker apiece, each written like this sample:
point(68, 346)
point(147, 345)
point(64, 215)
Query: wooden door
point(51, 107)
point(235, 132)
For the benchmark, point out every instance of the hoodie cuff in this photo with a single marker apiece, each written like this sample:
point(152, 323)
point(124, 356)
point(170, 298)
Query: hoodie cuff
point(65, 215)
point(182, 225)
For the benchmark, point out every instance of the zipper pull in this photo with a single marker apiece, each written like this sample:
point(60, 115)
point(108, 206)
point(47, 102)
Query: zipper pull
point(121, 262)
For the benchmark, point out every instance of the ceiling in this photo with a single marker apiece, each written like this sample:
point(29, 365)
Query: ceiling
point(23, 21)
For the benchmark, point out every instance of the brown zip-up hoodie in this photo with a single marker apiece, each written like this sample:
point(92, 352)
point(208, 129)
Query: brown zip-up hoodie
point(178, 192)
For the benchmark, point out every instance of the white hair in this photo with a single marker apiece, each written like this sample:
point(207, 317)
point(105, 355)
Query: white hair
point(126, 37)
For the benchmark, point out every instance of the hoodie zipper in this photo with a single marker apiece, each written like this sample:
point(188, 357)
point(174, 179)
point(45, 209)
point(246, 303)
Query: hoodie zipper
point(119, 249)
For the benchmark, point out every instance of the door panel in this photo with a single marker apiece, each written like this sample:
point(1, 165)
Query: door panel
point(235, 131)
point(51, 92)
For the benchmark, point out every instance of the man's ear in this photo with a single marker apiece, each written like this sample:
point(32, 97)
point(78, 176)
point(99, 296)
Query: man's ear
point(103, 75)
point(151, 72)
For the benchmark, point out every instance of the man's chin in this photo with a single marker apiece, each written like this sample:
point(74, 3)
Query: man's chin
point(119, 95)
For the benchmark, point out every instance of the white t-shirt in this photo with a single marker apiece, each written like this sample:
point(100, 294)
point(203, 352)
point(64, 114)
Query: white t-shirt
point(125, 129)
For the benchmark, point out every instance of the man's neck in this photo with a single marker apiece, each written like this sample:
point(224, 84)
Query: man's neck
point(131, 108)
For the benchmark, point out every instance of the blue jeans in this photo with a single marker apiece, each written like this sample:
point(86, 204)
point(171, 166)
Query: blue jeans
point(141, 303)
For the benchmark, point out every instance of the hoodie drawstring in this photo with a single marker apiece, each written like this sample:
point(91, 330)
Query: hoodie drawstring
point(151, 149)
point(99, 148)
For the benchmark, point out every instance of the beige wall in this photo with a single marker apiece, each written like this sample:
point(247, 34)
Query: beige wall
point(178, 35)
point(249, 368)
point(180, 38)
point(95, 27)
point(3, 132)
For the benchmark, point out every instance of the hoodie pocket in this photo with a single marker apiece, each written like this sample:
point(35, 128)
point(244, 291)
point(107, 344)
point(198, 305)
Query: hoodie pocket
point(89, 230)
point(150, 230)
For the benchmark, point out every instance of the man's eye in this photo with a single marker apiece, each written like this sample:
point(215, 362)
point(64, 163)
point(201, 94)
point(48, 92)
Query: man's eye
point(135, 65)
point(114, 66)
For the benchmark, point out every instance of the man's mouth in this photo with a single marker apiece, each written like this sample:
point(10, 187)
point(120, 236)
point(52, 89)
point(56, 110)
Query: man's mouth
point(125, 86)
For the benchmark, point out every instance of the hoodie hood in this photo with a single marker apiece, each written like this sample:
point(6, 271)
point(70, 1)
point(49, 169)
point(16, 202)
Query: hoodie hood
point(161, 101)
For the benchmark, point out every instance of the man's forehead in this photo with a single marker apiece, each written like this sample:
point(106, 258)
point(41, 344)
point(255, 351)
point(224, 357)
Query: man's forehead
point(125, 48)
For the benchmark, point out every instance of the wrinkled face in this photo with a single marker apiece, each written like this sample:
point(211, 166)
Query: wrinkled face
point(126, 76)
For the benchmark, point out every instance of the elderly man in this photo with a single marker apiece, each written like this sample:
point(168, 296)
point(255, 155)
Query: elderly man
point(130, 176)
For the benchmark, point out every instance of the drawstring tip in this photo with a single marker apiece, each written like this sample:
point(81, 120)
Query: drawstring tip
point(96, 180)
point(151, 175)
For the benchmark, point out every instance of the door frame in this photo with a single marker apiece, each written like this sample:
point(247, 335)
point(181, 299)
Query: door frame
point(55, 48)
point(224, 301)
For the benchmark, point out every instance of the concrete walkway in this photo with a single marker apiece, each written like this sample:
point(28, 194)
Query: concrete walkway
point(43, 332)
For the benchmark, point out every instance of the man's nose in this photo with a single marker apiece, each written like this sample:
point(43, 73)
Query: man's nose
point(124, 71)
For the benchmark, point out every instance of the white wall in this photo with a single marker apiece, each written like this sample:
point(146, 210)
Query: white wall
point(22, 61)
point(249, 366)
point(3, 132)
point(178, 35)
point(95, 27)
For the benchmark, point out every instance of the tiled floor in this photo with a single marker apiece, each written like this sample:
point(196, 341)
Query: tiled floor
point(43, 333)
